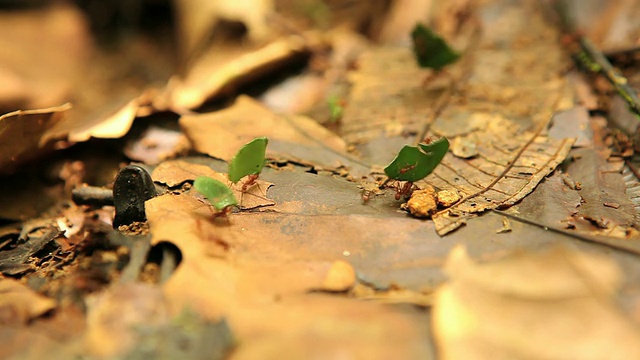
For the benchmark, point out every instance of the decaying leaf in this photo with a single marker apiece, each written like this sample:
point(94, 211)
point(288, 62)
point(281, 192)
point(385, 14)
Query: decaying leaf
point(41, 54)
point(113, 125)
point(23, 134)
point(156, 144)
point(197, 18)
point(374, 100)
point(114, 315)
point(224, 70)
point(220, 134)
point(550, 304)
point(601, 182)
point(506, 118)
point(266, 303)
point(507, 168)
point(19, 304)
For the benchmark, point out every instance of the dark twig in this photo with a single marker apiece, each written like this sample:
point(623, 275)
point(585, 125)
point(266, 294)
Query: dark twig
point(612, 74)
point(92, 195)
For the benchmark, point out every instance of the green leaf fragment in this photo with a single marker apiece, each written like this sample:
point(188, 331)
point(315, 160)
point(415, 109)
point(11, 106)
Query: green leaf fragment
point(218, 194)
point(249, 159)
point(431, 50)
point(414, 163)
point(336, 109)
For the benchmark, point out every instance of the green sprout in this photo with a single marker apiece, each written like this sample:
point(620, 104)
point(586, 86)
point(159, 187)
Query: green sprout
point(216, 192)
point(336, 108)
point(414, 163)
point(431, 50)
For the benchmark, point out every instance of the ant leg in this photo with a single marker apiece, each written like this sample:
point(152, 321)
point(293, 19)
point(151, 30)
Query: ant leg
point(251, 180)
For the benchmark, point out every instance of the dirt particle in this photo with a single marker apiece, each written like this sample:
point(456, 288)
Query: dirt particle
point(611, 205)
point(446, 198)
point(340, 277)
point(135, 228)
point(423, 203)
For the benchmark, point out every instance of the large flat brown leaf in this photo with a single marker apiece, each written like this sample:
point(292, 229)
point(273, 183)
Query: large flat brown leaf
point(494, 108)
point(550, 304)
point(267, 305)
point(220, 134)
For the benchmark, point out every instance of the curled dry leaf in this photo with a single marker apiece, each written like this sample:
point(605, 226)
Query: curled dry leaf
point(222, 71)
point(553, 304)
point(113, 124)
point(196, 19)
point(23, 134)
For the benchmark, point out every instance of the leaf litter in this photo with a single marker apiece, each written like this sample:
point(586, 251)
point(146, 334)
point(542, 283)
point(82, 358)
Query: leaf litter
point(299, 272)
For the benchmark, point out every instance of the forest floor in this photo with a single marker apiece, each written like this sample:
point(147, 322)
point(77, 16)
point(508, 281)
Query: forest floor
point(537, 257)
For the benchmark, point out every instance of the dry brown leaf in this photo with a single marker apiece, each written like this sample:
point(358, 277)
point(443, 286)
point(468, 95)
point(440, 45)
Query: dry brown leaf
point(23, 134)
point(114, 315)
point(402, 18)
point(374, 100)
point(157, 144)
point(611, 24)
point(393, 295)
point(554, 304)
point(298, 138)
point(266, 303)
point(176, 172)
point(196, 19)
point(509, 165)
point(19, 304)
point(600, 182)
point(507, 96)
point(112, 126)
point(41, 53)
point(224, 69)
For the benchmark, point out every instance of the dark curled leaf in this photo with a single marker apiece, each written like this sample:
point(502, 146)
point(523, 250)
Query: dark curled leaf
point(249, 159)
point(431, 50)
point(218, 194)
point(413, 163)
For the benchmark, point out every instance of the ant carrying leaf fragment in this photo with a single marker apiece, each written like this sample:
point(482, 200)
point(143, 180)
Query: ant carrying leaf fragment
point(431, 50)
point(217, 193)
point(414, 163)
point(248, 163)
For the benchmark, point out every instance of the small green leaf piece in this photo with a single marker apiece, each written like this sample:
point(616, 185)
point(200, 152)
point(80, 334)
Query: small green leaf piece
point(415, 163)
point(436, 150)
point(249, 159)
point(336, 109)
point(431, 50)
point(218, 194)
